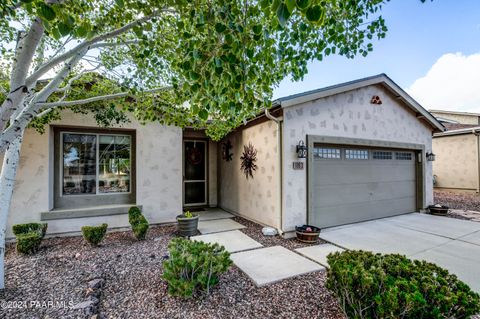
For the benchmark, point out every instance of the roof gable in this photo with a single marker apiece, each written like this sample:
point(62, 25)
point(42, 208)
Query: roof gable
point(381, 79)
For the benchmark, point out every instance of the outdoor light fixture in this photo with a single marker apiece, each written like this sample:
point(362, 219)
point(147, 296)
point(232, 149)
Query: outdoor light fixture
point(430, 157)
point(301, 150)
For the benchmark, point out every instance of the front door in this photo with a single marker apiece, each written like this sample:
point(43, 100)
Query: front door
point(194, 173)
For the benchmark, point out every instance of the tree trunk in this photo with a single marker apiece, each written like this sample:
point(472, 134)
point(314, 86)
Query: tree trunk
point(7, 183)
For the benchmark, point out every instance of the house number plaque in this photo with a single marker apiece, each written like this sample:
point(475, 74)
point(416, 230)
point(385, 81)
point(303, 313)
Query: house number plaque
point(298, 165)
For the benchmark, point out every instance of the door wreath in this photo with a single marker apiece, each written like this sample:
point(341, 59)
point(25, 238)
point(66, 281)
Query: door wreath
point(194, 156)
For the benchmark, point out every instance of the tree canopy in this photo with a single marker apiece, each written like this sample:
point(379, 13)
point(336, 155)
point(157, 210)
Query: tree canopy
point(201, 63)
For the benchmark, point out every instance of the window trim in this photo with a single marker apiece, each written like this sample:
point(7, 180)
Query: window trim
point(97, 163)
point(89, 200)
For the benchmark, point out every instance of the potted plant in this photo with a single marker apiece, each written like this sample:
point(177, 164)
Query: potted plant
point(307, 233)
point(438, 210)
point(187, 224)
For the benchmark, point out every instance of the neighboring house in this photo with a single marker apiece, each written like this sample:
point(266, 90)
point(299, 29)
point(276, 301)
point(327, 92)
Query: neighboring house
point(457, 150)
point(367, 142)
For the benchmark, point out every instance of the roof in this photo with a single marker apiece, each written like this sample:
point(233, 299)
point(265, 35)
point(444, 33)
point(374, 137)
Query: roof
point(382, 79)
point(470, 130)
point(456, 126)
point(455, 112)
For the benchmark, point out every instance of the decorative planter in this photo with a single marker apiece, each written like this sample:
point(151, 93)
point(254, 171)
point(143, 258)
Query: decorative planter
point(436, 210)
point(307, 234)
point(187, 226)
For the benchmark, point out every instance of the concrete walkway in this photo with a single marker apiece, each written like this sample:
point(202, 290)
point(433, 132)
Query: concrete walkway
point(262, 265)
point(450, 243)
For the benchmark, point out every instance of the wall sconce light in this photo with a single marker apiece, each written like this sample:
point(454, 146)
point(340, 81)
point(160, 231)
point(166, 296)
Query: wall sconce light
point(301, 150)
point(430, 157)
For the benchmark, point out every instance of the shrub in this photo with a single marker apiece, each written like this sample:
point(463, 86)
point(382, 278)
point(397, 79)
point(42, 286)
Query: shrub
point(28, 243)
point(138, 222)
point(30, 227)
point(134, 213)
point(29, 236)
point(371, 285)
point(94, 234)
point(194, 266)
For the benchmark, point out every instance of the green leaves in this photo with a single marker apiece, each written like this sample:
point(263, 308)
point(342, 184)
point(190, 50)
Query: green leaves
point(283, 14)
point(46, 12)
point(314, 13)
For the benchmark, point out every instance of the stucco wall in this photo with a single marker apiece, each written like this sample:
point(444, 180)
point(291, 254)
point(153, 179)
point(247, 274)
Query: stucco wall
point(158, 176)
point(456, 164)
point(257, 198)
point(460, 118)
point(348, 114)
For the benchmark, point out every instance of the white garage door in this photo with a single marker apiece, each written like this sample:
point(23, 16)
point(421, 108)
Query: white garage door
point(352, 184)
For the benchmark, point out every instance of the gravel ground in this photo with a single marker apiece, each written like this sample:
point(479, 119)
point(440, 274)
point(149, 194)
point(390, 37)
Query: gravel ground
point(132, 285)
point(461, 205)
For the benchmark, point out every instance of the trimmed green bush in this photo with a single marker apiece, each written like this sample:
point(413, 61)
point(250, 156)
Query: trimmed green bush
point(371, 285)
point(134, 213)
point(138, 222)
point(30, 227)
point(28, 243)
point(194, 266)
point(29, 236)
point(94, 234)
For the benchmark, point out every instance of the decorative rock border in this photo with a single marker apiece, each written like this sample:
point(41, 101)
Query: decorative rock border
point(93, 293)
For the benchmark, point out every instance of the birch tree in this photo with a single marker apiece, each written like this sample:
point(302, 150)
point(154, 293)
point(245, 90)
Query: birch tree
point(201, 63)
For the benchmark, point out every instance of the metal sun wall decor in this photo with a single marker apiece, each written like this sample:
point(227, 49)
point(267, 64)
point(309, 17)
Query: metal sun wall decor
point(249, 157)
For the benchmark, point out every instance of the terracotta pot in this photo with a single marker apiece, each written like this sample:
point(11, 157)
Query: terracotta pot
point(307, 236)
point(187, 227)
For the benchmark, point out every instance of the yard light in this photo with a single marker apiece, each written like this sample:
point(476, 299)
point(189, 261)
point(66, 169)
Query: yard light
point(430, 157)
point(301, 150)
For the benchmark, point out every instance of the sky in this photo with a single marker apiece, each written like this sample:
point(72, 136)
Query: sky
point(432, 50)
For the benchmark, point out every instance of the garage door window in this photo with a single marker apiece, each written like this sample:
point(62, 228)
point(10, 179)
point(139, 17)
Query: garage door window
point(356, 154)
point(403, 156)
point(382, 155)
point(326, 153)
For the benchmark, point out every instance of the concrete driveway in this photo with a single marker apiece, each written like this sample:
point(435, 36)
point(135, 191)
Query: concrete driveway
point(451, 243)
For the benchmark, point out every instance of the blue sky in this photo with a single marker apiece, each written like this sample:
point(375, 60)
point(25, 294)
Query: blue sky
point(419, 35)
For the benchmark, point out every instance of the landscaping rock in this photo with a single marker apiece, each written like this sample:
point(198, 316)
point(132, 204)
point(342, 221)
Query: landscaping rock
point(133, 286)
point(269, 231)
point(96, 283)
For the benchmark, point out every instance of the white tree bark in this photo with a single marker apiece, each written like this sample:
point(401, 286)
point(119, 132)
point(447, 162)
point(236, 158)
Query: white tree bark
point(7, 182)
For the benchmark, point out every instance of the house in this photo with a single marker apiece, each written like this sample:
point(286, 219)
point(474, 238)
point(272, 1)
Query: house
point(365, 144)
point(457, 150)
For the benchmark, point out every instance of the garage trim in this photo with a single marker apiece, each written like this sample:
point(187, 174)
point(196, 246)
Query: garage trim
point(420, 169)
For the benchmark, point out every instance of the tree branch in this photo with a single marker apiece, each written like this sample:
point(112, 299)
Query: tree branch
point(88, 45)
point(96, 99)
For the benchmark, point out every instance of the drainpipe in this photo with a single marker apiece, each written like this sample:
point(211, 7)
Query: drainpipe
point(477, 134)
point(278, 120)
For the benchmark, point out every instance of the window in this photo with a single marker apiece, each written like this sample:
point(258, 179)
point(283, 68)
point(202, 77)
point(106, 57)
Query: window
point(403, 156)
point(356, 154)
point(326, 153)
point(95, 163)
point(382, 155)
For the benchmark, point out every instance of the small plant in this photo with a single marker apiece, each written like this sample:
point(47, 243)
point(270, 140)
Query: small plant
point(29, 236)
point(371, 285)
point(194, 266)
point(28, 243)
point(138, 222)
point(94, 234)
point(188, 214)
point(30, 227)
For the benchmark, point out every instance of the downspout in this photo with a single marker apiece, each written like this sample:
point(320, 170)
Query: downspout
point(477, 134)
point(278, 120)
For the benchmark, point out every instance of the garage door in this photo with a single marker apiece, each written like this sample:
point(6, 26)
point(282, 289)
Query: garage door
point(352, 184)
